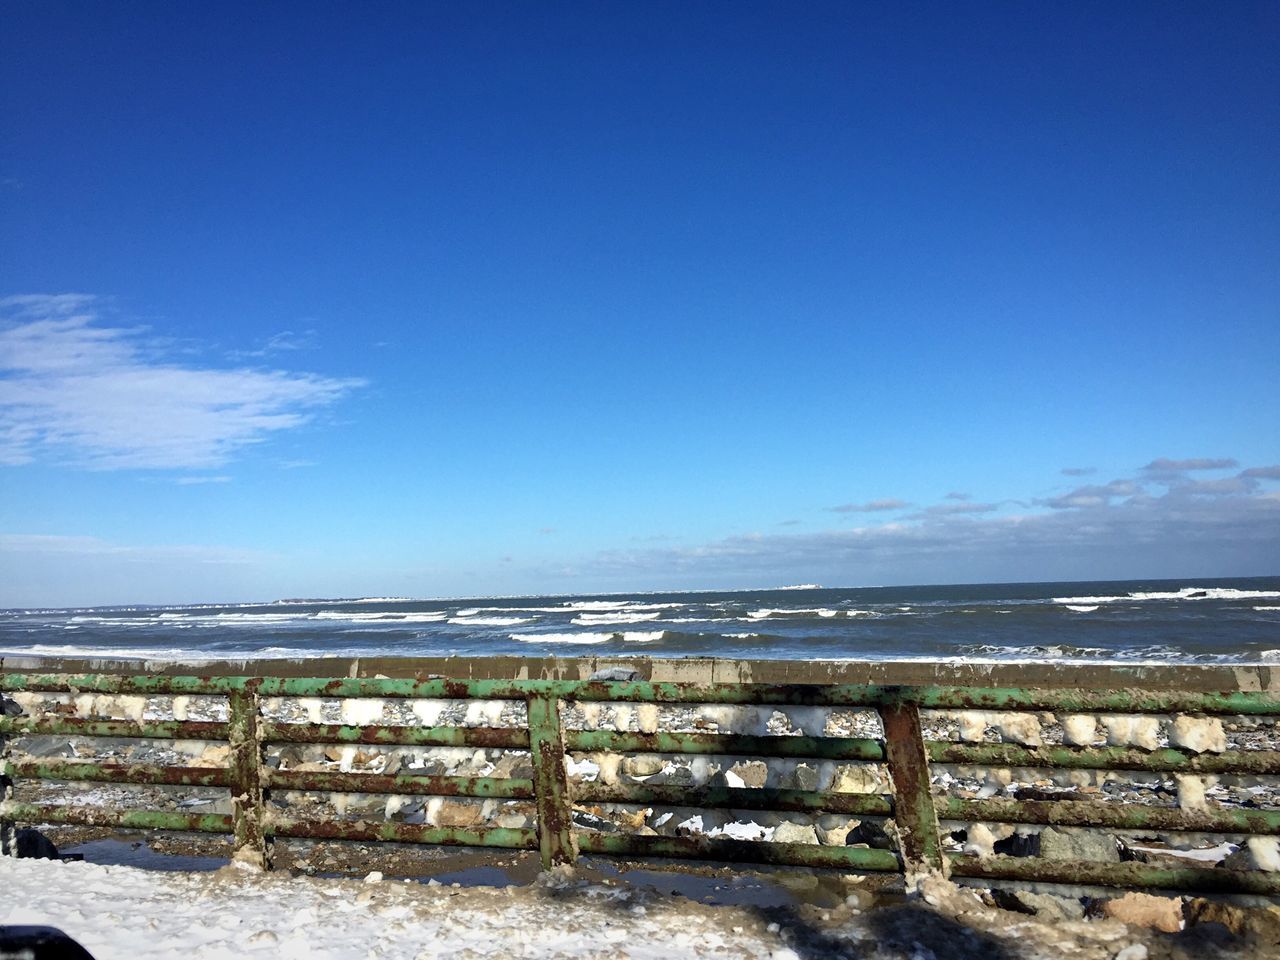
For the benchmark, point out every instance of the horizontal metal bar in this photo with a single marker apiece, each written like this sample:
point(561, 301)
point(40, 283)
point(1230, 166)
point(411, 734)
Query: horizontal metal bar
point(1124, 816)
point(732, 744)
point(108, 817)
point(734, 798)
point(1131, 874)
point(870, 695)
point(738, 851)
point(1166, 760)
point(509, 738)
point(402, 784)
point(146, 729)
point(372, 831)
point(144, 773)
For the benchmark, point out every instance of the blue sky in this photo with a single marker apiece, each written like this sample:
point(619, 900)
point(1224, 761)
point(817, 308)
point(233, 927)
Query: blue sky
point(324, 299)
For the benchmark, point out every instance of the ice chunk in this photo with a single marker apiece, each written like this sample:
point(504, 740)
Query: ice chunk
point(1198, 734)
point(362, 712)
point(428, 711)
point(647, 717)
point(1079, 729)
point(1023, 728)
point(973, 725)
point(1124, 730)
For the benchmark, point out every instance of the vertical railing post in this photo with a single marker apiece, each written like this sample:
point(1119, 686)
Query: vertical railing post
point(551, 782)
point(8, 830)
point(245, 765)
point(913, 811)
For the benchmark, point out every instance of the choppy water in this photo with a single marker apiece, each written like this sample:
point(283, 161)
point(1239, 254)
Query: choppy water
point(1167, 621)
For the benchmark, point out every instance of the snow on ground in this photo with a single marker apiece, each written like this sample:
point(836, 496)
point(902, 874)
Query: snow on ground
point(122, 913)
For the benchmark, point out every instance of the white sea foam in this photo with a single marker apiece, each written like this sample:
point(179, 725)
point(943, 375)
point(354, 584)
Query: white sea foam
point(1086, 608)
point(599, 619)
point(1266, 608)
point(1186, 593)
point(490, 621)
point(766, 613)
point(428, 617)
point(629, 636)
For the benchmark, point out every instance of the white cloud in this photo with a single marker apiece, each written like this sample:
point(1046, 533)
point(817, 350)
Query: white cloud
point(77, 391)
point(889, 503)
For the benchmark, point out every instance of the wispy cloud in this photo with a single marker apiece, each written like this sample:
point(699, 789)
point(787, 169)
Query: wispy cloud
point(1093, 496)
point(958, 495)
point(872, 506)
point(955, 509)
point(1166, 465)
point(285, 341)
point(79, 391)
point(1078, 471)
point(191, 481)
point(1262, 473)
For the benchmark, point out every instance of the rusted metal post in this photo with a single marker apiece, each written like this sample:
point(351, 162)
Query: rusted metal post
point(245, 767)
point(913, 810)
point(8, 833)
point(555, 811)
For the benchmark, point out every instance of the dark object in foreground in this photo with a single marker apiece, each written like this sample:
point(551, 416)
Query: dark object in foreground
point(39, 943)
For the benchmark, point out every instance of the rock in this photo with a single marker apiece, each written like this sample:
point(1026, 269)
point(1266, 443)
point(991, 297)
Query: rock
point(874, 833)
point(31, 844)
point(10, 708)
point(856, 778)
point(589, 821)
point(835, 834)
point(674, 775)
point(1046, 906)
point(753, 773)
point(1064, 844)
point(516, 765)
point(616, 674)
point(803, 777)
point(637, 766)
point(453, 813)
point(1135, 951)
point(215, 755)
point(788, 832)
point(513, 821)
point(48, 747)
point(1258, 853)
point(1144, 910)
point(1018, 845)
point(1261, 924)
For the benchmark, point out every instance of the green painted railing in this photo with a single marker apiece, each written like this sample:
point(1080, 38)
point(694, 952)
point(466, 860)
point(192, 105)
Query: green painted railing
point(911, 805)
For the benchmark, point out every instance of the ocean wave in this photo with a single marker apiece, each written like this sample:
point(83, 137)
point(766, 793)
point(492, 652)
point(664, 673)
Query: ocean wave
point(765, 614)
point(1266, 608)
point(1086, 608)
point(490, 621)
point(1186, 593)
point(624, 616)
point(429, 617)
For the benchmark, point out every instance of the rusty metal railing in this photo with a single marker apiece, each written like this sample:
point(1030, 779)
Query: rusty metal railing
point(914, 806)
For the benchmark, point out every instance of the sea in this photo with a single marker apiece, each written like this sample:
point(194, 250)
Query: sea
point(1140, 621)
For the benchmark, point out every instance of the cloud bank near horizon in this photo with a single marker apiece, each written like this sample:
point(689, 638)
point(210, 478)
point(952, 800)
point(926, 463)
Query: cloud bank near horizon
point(1160, 522)
point(76, 391)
